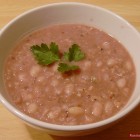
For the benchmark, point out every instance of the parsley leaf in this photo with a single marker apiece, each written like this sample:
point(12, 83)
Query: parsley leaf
point(74, 54)
point(63, 67)
point(54, 48)
point(45, 55)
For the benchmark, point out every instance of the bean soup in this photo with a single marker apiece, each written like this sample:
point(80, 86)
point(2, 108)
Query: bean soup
point(97, 90)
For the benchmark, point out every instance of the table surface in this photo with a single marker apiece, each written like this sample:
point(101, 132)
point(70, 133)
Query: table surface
point(11, 128)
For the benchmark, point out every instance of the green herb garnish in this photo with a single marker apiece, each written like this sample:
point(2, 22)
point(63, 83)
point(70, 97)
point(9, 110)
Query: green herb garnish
point(46, 55)
point(63, 67)
point(74, 54)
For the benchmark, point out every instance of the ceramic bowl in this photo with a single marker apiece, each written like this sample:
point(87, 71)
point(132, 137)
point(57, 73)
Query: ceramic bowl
point(71, 12)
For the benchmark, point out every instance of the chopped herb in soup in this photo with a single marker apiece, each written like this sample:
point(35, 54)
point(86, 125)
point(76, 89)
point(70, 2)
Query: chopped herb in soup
point(69, 74)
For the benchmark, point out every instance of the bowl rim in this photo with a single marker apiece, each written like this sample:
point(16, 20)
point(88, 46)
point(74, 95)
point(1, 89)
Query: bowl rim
point(50, 126)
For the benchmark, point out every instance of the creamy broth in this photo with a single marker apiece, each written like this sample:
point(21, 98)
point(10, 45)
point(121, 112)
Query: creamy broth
point(102, 87)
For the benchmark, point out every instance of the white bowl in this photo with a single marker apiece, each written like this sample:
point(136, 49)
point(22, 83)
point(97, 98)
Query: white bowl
point(60, 13)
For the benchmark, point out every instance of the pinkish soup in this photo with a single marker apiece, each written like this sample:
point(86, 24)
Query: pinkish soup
point(100, 89)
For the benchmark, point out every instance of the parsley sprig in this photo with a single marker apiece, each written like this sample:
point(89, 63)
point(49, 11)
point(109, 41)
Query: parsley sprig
point(46, 55)
point(74, 54)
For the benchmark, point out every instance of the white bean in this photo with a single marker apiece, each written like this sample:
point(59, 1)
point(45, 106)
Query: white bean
point(67, 40)
point(55, 67)
point(126, 91)
point(93, 79)
point(54, 112)
point(46, 89)
point(121, 83)
point(85, 77)
point(58, 91)
point(40, 79)
point(16, 84)
point(68, 89)
point(71, 120)
point(128, 65)
point(79, 94)
point(59, 76)
point(75, 110)
point(79, 91)
point(26, 97)
point(44, 113)
point(104, 95)
point(51, 115)
point(88, 119)
point(9, 85)
point(86, 65)
point(34, 70)
point(109, 107)
point(64, 107)
point(117, 104)
point(99, 64)
point(97, 109)
point(37, 89)
point(90, 88)
point(32, 108)
point(106, 77)
point(21, 77)
point(106, 45)
point(54, 82)
point(111, 62)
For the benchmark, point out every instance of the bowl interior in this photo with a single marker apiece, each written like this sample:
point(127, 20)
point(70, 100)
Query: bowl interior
point(71, 13)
